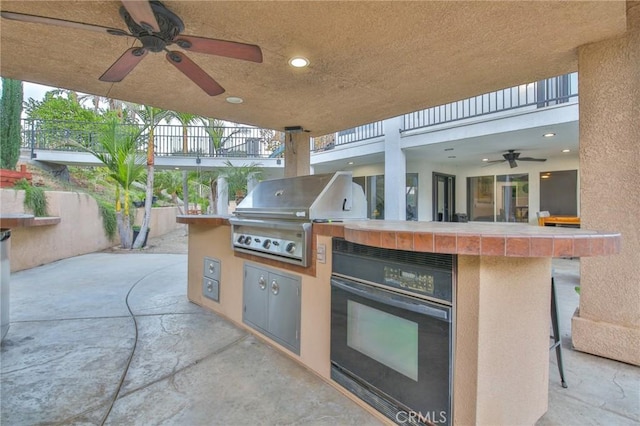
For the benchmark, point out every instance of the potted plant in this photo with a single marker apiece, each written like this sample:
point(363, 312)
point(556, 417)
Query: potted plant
point(136, 231)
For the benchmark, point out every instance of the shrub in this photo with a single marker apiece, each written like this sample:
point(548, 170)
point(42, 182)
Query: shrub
point(35, 199)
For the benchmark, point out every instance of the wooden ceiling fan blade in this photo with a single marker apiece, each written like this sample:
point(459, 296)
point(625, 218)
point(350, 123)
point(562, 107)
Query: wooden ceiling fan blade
point(61, 23)
point(141, 12)
point(532, 159)
point(229, 49)
point(195, 73)
point(123, 65)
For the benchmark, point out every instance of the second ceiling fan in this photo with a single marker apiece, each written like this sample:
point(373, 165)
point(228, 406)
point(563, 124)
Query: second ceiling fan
point(511, 156)
point(157, 28)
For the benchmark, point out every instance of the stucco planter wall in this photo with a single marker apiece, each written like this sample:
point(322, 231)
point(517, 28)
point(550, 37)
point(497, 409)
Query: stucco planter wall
point(79, 231)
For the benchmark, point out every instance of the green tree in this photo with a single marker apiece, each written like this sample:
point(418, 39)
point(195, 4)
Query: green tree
point(185, 120)
point(169, 181)
point(237, 177)
point(59, 118)
point(117, 150)
point(151, 117)
point(59, 105)
point(210, 180)
point(10, 110)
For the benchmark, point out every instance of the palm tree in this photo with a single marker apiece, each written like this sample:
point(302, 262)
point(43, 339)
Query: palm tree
point(117, 150)
point(151, 117)
point(169, 181)
point(185, 120)
point(216, 130)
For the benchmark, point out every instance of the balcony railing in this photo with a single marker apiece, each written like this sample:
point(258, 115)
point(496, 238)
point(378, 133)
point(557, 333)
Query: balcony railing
point(170, 140)
point(355, 134)
point(540, 94)
point(544, 93)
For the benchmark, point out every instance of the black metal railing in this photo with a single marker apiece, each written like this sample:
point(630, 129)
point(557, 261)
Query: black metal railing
point(540, 94)
point(169, 139)
point(354, 134)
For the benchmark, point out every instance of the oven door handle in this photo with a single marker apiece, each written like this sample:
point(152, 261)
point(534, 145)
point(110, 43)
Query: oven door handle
point(393, 299)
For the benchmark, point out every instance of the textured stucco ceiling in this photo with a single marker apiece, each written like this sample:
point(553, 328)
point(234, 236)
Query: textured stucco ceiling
point(369, 60)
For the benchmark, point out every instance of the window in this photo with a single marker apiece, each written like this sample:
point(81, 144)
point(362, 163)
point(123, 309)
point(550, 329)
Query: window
point(503, 198)
point(412, 196)
point(513, 198)
point(374, 192)
point(559, 192)
point(480, 198)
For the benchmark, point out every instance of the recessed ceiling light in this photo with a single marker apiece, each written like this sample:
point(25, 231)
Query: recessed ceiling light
point(549, 135)
point(485, 159)
point(566, 150)
point(298, 62)
point(350, 163)
point(235, 100)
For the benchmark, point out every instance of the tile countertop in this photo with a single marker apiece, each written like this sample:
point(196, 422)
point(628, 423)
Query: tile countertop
point(486, 239)
point(473, 238)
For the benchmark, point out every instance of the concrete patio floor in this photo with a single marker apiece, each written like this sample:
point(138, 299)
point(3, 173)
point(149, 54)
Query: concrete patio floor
point(110, 338)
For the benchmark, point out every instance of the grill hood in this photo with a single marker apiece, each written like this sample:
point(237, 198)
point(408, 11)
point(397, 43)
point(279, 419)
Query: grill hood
point(332, 196)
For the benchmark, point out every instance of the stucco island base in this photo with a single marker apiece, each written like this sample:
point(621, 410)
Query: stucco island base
point(501, 363)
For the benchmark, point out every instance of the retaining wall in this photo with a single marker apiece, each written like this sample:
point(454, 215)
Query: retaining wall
point(79, 231)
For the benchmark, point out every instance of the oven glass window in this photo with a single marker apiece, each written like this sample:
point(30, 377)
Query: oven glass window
point(389, 339)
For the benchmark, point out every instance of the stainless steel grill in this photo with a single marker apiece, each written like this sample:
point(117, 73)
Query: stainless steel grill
point(275, 219)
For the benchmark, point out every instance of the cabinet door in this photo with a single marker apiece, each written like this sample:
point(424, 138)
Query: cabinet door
point(284, 310)
point(255, 297)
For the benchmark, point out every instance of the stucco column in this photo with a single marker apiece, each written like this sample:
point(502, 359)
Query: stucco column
point(297, 154)
point(222, 202)
point(395, 172)
point(608, 321)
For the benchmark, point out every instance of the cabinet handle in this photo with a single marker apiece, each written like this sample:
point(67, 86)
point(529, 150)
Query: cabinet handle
point(275, 288)
point(262, 283)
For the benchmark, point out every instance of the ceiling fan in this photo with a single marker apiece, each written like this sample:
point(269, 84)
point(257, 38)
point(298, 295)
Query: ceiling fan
point(511, 156)
point(157, 28)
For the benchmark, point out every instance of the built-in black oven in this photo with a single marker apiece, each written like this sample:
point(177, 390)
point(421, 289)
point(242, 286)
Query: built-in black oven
point(391, 330)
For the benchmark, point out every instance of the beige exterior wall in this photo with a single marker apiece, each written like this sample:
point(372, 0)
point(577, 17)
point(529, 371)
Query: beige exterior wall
point(608, 321)
point(163, 220)
point(80, 230)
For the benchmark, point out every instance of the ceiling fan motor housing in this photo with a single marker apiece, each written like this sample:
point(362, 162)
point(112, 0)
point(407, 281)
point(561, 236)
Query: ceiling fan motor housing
point(170, 27)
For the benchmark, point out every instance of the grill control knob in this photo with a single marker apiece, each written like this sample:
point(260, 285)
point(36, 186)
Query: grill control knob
point(247, 240)
point(291, 247)
point(266, 244)
point(241, 239)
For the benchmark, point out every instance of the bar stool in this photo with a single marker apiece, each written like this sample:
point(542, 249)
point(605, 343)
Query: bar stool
point(556, 332)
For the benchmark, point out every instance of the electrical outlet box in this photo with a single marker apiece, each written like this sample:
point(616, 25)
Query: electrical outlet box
point(211, 279)
point(211, 289)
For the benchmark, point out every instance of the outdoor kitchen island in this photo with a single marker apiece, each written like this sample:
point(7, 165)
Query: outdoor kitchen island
point(501, 300)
